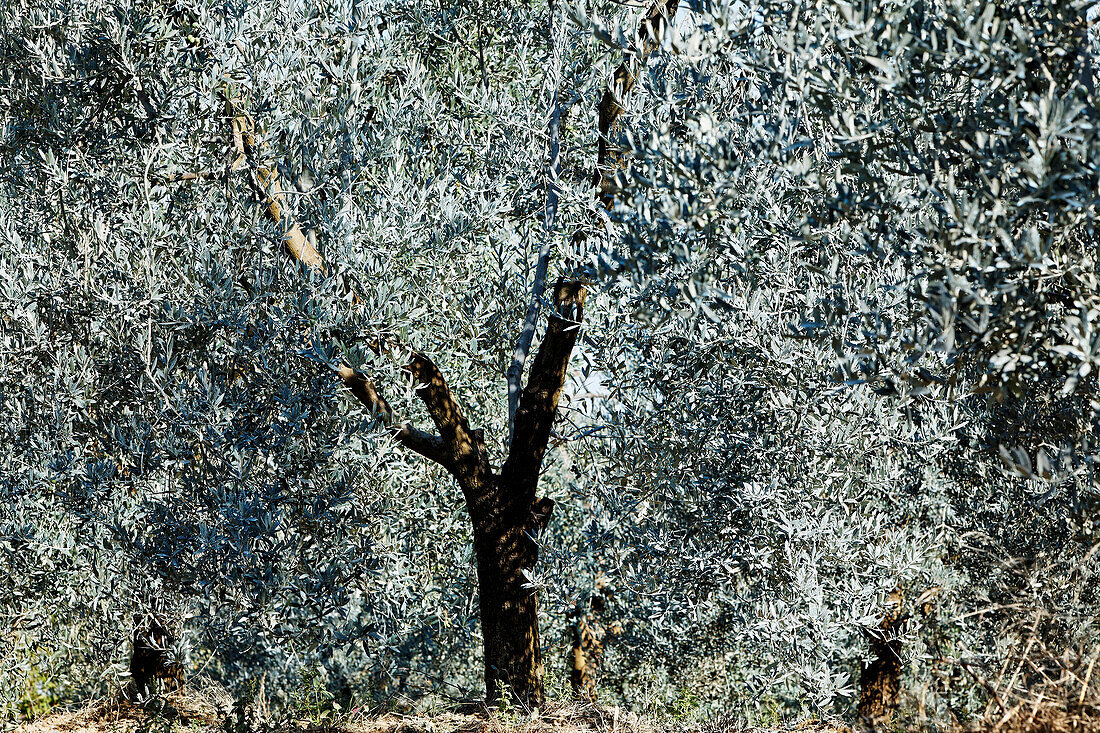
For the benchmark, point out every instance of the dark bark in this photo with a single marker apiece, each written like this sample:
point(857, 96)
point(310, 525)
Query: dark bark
point(880, 679)
point(507, 516)
point(428, 445)
point(539, 401)
point(504, 510)
point(504, 546)
point(610, 158)
point(150, 661)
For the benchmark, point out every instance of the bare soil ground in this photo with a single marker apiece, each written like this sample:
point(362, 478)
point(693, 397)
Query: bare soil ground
point(190, 711)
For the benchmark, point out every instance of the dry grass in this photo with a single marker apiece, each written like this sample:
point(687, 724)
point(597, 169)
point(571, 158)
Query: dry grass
point(1045, 694)
point(203, 712)
point(180, 710)
point(1051, 699)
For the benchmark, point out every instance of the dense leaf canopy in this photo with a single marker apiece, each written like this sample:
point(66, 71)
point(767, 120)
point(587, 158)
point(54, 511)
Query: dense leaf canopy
point(842, 339)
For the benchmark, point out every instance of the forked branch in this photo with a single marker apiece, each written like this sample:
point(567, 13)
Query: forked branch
point(464, 448)
point(426, 444)
point(539, 401)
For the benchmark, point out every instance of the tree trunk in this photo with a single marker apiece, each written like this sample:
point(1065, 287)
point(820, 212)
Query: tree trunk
point(880, 679)
point(150, 660)
point(504, 547)
point(507, 517)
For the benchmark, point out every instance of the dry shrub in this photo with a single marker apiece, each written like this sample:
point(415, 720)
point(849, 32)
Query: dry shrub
point(1046, 694)
point(1049, 683)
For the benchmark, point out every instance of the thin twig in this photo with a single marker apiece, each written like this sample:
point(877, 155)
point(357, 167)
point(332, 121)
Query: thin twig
point(1088, 676)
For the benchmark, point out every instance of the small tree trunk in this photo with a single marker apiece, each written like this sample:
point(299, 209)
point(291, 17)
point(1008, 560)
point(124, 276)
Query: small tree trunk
point(589, 632)
point(880, 679)
point(150, 660)
point(581, 659)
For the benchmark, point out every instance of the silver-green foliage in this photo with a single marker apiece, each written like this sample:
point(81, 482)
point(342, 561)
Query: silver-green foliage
point(860, 241)
point(843, 229)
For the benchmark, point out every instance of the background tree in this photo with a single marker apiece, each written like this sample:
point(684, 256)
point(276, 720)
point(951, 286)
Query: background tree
point(797, 188)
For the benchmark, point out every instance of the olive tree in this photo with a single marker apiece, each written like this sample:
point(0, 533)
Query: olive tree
point(198, 362)
point(837, 267)
point(859, 243)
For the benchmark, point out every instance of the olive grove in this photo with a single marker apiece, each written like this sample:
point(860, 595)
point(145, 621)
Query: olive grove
point(806, 424)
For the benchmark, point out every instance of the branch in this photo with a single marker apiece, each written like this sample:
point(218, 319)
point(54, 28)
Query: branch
point(539, 401)
point(267, 182)
point(203, 175)
point(457, 445)
point(610, 159)
point(540, 514)
point(523, 345)
point(464, 448)
point(426, 444)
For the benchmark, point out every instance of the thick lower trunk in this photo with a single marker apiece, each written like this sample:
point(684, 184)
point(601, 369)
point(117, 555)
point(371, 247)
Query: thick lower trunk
point(880, 686)
point(509, 624)
point(504, 546)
